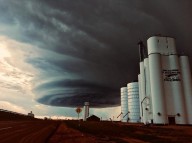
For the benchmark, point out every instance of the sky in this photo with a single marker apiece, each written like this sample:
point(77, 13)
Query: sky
point(56, 55)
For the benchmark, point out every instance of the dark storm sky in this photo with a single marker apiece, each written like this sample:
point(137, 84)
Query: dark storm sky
point(91, 45)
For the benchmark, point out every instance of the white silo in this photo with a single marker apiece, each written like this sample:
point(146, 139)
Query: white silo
point(140, 96)
point(148, 99)
point(177, 90)
point(142, 81)
point(166, 81)
point(124, 104)
point(86, 111)
point(165, 84)
point(157, 87)
point(133, 102)
point(187, 85)
point(143, 84)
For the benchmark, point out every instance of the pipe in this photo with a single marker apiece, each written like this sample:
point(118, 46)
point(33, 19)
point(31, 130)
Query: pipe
point(119, 115)
point(126, 114)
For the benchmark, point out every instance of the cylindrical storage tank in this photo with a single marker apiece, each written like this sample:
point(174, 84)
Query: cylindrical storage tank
point(139, 82)
point(143, 93)
point(177, 89)
point(161, 45)
point(148, 90)
point(133, 102)
point(157, 90)
point(147, 78)
point(187, 85)
point(156, 81)
point(124, 104)
point(86, 110)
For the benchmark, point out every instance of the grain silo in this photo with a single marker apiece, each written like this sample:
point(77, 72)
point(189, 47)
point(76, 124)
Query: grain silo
point(187, 85)
point(133, 102)
point(124, 104)
point(164, 88)
point(86, 111)
point(165, 82)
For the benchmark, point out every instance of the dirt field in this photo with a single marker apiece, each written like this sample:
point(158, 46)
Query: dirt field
point(26, 131)
point(90, 132)
point(108, 132)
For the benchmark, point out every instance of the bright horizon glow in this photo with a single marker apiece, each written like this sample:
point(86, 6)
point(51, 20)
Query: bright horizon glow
point(3, 51)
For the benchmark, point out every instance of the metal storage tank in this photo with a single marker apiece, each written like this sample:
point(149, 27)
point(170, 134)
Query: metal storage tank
point(86, 111)
point(143, 93)
point(147, 101)
point(156, 81)
point(187, 85)
point(133, 102)
point(140, 95)
point(177, 89)
point(124, 104)
point(142, 82)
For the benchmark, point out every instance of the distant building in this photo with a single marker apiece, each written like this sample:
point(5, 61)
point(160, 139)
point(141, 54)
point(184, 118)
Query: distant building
point(31, 114)
point(93, 118)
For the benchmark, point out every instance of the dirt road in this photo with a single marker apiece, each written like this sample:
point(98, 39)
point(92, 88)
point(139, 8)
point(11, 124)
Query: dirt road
point(69, 135)
point(26, 131)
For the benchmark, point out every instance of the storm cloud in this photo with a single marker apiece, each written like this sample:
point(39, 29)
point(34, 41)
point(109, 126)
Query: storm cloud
point(89, 48)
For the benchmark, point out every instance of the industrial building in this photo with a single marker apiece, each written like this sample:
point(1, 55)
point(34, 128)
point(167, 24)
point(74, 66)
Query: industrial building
point(165, 85)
